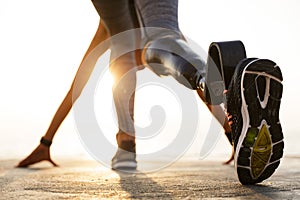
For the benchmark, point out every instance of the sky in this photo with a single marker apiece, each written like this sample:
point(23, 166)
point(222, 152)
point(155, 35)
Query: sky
point(42, 44)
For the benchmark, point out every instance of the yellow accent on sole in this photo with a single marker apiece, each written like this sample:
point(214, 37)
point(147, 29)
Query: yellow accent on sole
point(261, 152)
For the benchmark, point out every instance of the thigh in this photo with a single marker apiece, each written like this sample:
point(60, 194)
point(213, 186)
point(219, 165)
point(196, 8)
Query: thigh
point(118, 15)
point(159, 13)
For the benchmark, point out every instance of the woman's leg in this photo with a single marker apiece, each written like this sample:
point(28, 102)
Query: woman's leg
point(82, 76)
point(165, 50)
point(85, 69)
point(167, 53)
point(119, 18)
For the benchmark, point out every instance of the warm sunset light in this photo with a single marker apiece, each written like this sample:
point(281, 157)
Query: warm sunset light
point(169, 143)
point(38, 65)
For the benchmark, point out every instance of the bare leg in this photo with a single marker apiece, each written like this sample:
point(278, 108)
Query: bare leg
point(81, 79)
point(218, 112)
point(42, 152)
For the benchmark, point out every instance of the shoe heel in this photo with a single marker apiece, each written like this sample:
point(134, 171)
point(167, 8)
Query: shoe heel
point(223, 57)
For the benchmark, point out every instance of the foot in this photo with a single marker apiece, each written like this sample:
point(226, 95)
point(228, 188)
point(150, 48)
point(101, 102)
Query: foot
point(222, 117)
point(125, 157)
point(253, 100)
point(230, 159)
point(41, 153)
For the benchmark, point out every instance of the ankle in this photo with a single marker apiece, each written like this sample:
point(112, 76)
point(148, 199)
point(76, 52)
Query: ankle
point(227, 127)
point(122, 136)
point(45, 142)
point(126, 141)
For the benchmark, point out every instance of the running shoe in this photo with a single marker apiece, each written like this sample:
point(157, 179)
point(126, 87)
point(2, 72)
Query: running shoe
point(253, 101)
point(125, 157)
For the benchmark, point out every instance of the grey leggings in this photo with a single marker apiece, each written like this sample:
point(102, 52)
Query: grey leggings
point(123, 15)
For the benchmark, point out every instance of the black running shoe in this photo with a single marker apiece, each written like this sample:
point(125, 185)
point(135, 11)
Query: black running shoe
point(223, 57)
point(253, 100)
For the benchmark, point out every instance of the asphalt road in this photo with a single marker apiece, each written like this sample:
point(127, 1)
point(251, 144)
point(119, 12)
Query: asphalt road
point(193, 179)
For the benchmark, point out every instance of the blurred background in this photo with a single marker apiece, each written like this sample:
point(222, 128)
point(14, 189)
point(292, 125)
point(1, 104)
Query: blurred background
point(43, 42)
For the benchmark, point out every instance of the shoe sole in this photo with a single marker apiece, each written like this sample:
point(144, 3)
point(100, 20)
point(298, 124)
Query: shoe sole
point(124, 165)
point(260, 145)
